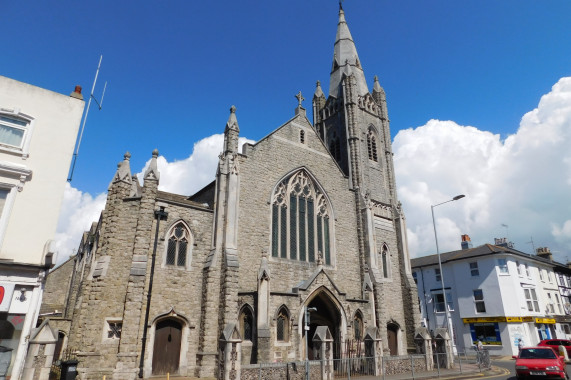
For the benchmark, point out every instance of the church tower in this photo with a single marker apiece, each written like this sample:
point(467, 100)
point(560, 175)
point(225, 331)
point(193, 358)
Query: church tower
point(354, 125)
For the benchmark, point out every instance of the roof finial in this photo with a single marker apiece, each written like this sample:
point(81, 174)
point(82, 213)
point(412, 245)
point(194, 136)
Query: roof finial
point(340, 5)
point(299, 98)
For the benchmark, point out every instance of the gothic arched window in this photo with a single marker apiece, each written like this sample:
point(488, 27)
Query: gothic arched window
point(300, 220)
point(246, 324)
point(384, 261)
point(358, 326)
point(372, 145)
point(282, 326)
point(178, 243)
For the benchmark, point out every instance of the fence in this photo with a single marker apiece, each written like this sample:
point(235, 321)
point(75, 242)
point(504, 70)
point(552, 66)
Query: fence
point(384, 367)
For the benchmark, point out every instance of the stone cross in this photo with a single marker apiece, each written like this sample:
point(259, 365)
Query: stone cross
point(299, 98)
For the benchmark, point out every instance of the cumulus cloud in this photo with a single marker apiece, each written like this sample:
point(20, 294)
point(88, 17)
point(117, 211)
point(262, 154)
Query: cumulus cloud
point(523, 182)
point(191, 174)
point(80, 209)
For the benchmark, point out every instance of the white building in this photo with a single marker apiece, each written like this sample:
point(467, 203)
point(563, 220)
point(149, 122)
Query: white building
point(494, 293)
point(38, 130)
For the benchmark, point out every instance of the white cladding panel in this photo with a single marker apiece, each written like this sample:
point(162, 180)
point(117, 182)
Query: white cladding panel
point(34, 212)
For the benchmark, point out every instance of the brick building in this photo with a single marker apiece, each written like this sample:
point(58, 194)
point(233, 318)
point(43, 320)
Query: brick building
point(306, 217)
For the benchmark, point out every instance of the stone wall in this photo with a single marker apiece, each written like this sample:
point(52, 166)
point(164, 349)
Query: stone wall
point(403, 364)
point(280, 371)
point(57, 288)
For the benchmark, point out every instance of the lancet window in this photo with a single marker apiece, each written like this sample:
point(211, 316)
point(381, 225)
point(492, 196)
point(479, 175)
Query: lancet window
point(282, 326)
point(301, 224)
point(372, 146)
point(384, 261)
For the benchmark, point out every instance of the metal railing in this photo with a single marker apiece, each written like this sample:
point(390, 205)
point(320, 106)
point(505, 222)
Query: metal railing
point(382, 367)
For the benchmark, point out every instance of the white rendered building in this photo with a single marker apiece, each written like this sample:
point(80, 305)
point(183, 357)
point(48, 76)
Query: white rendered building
point(38, 130)
point(495, 294)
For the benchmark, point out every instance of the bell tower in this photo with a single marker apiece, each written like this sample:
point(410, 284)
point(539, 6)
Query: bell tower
point(354, 125)
point(353, 122)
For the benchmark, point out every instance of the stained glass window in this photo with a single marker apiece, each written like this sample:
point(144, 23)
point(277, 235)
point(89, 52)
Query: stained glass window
point(300, 220)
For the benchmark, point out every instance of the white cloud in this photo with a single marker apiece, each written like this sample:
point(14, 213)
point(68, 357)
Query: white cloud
point(186, 176)
point(191, 174)
point(78, 211)
point(524, 181)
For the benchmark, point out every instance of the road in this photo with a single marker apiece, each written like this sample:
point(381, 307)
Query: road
point(509, 364)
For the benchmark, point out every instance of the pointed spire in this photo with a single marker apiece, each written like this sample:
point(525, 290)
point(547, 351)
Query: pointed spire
point(231, 133)
point(152, 171)
point(318, 91)
point(377, 86)
point(123, 172)
point(232, 123)
point(345, 59)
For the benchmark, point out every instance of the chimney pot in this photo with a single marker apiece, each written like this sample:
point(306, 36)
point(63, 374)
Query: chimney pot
point(77, 93)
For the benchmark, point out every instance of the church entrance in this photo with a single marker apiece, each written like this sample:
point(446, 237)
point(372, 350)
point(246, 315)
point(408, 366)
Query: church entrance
point(327, 314)
point(392, 335)
point(166, 351)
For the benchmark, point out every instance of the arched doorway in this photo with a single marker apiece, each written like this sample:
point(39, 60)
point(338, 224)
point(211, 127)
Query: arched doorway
point(392, 338)
point(327, 313)
point(166, 350)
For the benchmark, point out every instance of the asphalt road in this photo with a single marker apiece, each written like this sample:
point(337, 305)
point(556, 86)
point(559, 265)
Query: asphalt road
point(510, 365)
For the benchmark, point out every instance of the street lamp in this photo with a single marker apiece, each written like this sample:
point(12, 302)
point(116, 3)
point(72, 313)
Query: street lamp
point(448, 318)
point(306, 328)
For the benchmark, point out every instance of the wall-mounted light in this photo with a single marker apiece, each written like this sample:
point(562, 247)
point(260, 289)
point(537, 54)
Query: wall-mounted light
point(22, 297)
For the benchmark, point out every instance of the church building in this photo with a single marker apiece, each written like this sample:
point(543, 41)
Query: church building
point(307, 218)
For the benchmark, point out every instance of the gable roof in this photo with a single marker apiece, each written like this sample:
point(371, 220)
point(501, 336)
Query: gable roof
point(482, 250)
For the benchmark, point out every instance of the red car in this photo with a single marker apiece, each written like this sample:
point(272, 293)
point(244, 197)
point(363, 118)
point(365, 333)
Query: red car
point(555, 343)
point(539, 361)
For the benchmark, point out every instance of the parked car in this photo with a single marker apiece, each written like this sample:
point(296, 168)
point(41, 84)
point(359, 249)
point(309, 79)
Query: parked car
point(555, 343)
point(539, 361)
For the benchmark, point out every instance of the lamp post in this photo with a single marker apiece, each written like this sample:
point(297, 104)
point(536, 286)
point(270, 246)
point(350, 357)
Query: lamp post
point(448, 318)
point(306, 328)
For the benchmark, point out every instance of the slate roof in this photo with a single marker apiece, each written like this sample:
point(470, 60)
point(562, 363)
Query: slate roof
point(482, 250)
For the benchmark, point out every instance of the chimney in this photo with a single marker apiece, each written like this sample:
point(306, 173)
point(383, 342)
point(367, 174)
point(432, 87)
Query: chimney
point(77, 93)
point(466, 242)
point(503, 242)
point(544, 252)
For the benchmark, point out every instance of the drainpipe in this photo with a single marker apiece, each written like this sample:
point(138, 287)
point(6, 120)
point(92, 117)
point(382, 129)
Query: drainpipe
point(159, 214)
point(424, 299)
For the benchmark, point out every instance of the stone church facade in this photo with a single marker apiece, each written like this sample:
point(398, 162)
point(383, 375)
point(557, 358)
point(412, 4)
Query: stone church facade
point(307, 217)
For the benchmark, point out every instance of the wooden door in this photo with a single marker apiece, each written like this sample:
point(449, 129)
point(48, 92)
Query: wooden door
point(166, 351)
point(392, 340)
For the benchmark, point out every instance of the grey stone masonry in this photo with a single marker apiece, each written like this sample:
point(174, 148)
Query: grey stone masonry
point(304, 221)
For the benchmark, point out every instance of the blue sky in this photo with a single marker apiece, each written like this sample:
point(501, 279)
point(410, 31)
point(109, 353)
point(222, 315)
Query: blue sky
point(174, 68)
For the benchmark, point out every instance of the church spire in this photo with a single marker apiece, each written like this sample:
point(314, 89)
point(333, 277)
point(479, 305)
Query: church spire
point(231, 133)
point(345, 59)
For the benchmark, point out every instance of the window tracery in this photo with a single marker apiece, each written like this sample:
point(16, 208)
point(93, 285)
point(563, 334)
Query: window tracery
point(300, 220)
point(178, 246)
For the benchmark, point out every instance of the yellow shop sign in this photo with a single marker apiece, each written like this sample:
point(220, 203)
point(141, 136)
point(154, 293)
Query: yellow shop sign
point(549, 321)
